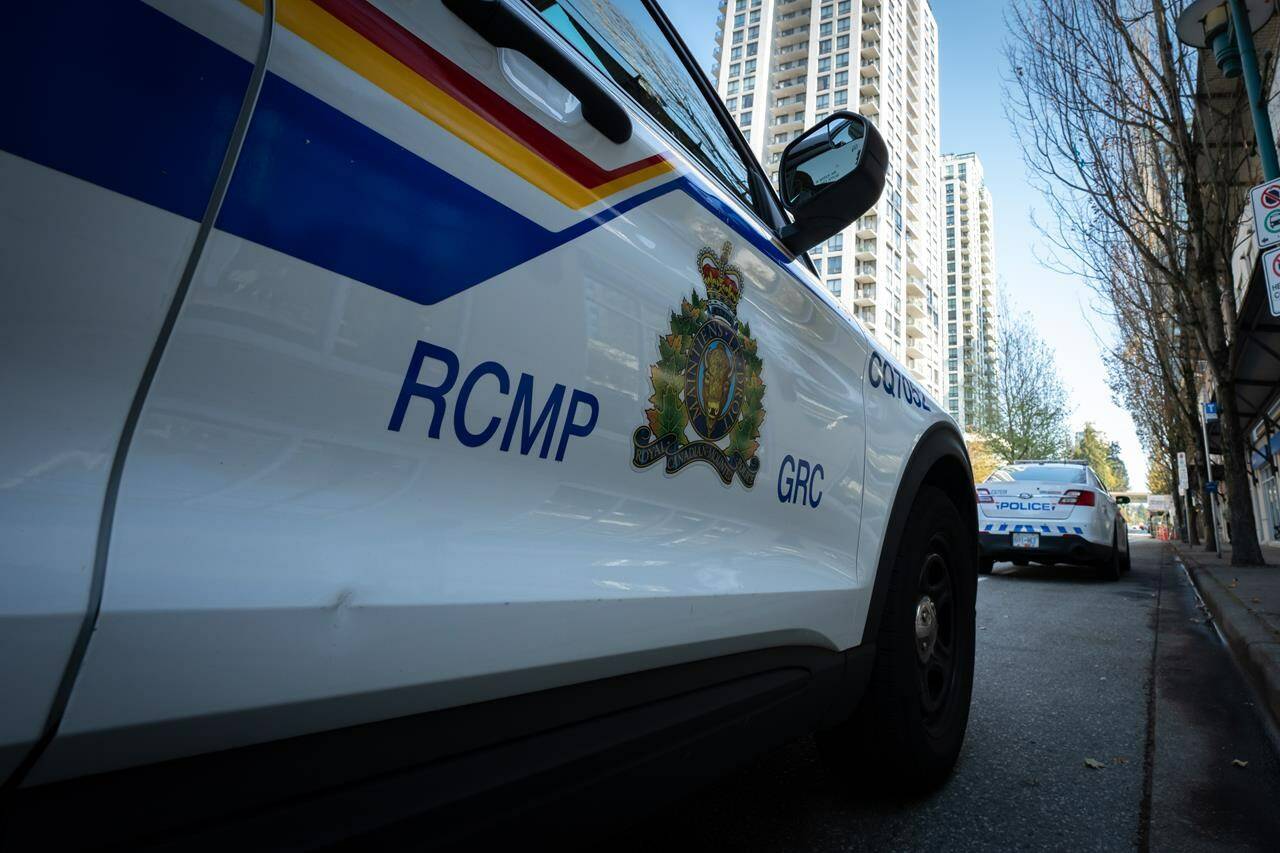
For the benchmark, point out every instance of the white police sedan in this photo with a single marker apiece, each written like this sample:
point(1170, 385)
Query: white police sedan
point(1050, 511)
point(427, 412)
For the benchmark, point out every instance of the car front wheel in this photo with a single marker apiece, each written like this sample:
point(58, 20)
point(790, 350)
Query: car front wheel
point(907, 732)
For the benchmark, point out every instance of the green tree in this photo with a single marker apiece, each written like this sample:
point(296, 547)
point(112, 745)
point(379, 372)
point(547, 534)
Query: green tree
point(1118, 468)
point(1092, 446)
point(1026, 403)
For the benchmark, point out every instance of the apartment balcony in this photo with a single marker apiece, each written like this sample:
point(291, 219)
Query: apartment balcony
point(790, 35)
point(913, 265)
point(869, 106)
point(793, 48)
point(911, 193)
point(865, 295)
point(911, 212)
point(914, 351)
point(790, 84)
point(871, 14)
point(865, 274)
point(915, 327)
point(869, 68)
point(867, 227)
point(871, 50)
point(870, 87)
point(915, 287)
point(866, 250)
point(915, 308)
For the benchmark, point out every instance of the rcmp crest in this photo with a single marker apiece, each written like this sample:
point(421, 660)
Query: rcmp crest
point(707, 401)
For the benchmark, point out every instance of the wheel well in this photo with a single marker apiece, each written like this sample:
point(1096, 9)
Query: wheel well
point(955, 479)
point(940, 460)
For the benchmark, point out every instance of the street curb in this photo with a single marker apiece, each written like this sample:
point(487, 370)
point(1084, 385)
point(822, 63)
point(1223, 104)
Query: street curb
point(1254, 644)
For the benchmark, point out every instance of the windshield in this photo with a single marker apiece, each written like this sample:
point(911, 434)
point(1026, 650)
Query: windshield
point(1044, 473)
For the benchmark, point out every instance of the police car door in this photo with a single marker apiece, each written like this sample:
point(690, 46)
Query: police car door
point(483, 386)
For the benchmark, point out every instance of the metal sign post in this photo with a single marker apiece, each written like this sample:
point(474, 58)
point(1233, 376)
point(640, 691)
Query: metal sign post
point(1211, 414)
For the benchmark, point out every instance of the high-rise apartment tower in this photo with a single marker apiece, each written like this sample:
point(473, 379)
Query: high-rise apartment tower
point(970, 278)
point(781, 66)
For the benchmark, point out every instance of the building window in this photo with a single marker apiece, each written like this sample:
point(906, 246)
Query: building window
point(835, 265)
point(748, 101)
point(745, 119)
point(833, 284)
point(824, 46)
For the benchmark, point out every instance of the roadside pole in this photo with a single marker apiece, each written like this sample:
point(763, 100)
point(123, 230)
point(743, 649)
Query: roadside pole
point(1210, 408)
point(1186, 497)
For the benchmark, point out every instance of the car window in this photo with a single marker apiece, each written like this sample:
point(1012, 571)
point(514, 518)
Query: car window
point(1043, 473)
point(622, 40)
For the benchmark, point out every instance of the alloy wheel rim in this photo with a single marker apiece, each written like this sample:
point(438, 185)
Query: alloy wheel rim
point(935, 634)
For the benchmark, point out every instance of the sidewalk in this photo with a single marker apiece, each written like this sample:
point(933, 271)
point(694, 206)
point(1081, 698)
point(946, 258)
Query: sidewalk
point(1245, 602)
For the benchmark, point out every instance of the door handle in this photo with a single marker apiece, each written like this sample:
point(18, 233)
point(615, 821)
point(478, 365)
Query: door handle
point(502, 27)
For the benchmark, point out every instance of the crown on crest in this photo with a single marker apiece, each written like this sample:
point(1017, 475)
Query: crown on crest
point(722, 279)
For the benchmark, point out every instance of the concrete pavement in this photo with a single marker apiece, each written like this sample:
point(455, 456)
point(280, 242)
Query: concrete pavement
point(1245, 601)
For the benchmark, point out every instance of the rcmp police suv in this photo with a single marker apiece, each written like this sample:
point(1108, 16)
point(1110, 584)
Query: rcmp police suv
point(419, 410)
point(1051, 512)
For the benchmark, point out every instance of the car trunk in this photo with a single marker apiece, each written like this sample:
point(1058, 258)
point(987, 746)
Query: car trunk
point(1026, 499)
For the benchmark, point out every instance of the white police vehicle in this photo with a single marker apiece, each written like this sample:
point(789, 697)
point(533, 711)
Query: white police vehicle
point(1051, 511)
point(426, 411)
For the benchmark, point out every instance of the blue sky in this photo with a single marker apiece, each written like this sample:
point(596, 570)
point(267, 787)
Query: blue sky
point(971, 33)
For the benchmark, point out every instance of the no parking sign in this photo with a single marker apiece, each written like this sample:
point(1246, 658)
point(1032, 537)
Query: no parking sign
point(1271, 267)
point(1266, 213)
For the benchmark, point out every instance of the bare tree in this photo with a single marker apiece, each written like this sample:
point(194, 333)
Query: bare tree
point(1027, 404)
point(1133, 164)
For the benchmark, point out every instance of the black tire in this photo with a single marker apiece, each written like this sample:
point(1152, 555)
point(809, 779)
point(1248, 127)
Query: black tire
point(1125, 562)
point(1111, 568)
point(985, 565)
point(907, 731)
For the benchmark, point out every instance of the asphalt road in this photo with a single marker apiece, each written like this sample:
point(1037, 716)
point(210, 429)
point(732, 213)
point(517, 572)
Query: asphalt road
point(1068, 668)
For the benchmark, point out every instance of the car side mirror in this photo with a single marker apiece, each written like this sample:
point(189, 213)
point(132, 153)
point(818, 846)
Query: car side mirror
point(1122, 499)
point(830, 175)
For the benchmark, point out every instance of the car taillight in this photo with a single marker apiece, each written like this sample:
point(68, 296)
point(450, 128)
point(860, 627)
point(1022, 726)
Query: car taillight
point(1077, 497)
point(984, 497)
